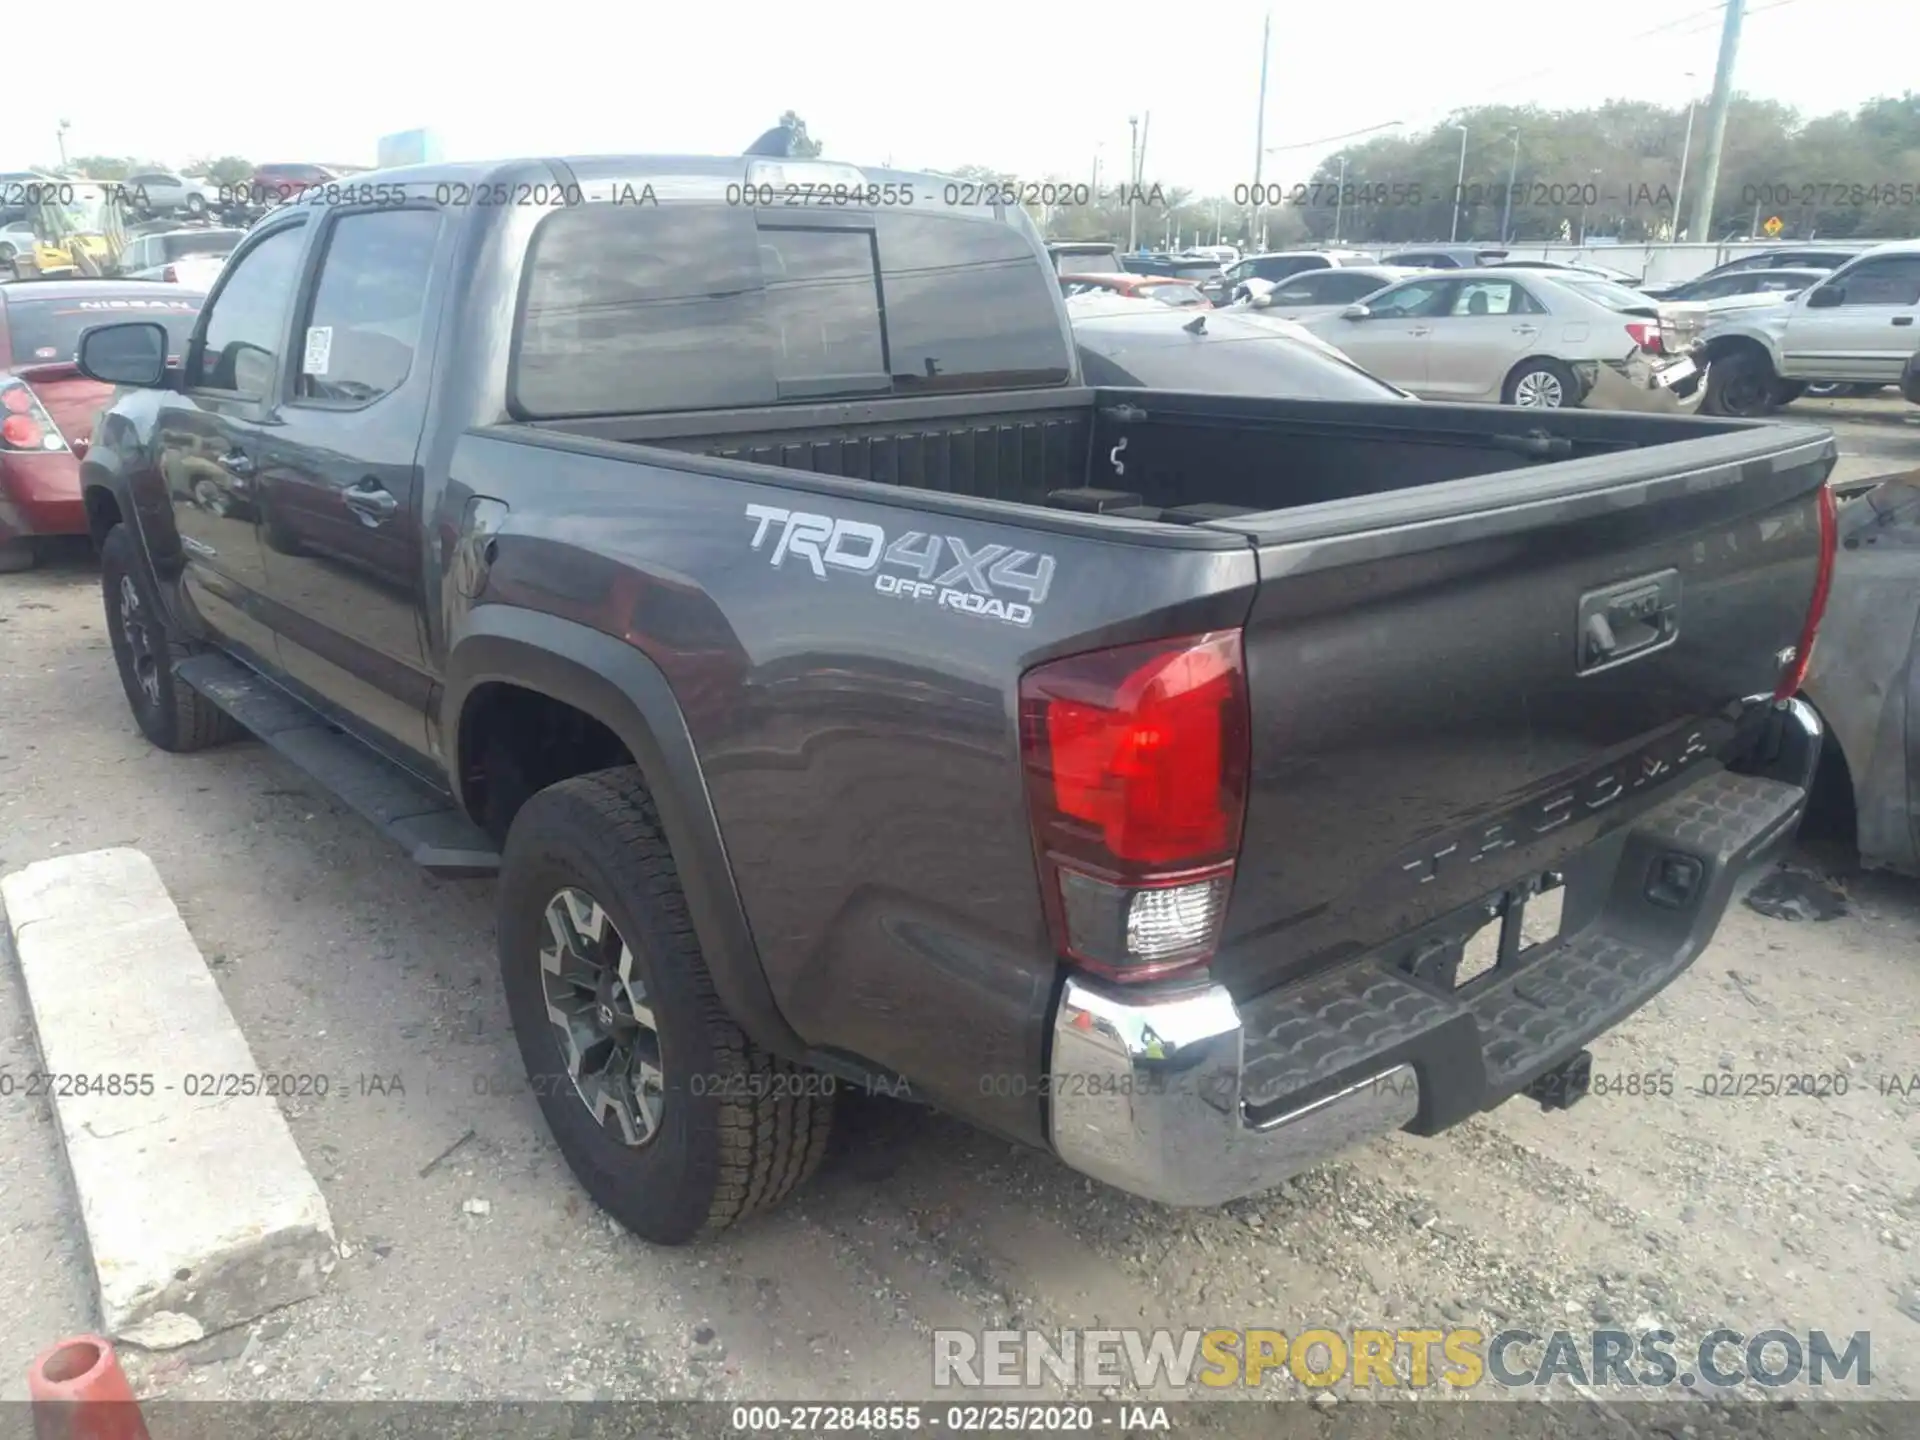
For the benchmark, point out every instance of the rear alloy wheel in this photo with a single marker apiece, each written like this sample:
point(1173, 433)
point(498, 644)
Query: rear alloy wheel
point(674, 1121)
point(1541, 385)
point(601, 1017)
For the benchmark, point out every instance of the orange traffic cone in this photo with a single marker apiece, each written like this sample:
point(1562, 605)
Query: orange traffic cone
point(79, 1392)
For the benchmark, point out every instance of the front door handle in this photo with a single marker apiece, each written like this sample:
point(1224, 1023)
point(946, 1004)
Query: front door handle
point(1903, 319)
point(371, 501)
point(1526, 329)
point(1421, 330)
point(237, 463)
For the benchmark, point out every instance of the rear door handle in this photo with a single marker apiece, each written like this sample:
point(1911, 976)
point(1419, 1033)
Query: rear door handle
point(1903, 319)
point(1421, 330)
point(237, 463)
point(1526, 329)
point(371, 501)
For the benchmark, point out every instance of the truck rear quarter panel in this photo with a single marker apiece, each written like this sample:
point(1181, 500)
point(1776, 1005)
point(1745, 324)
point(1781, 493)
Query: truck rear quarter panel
point(860, 744)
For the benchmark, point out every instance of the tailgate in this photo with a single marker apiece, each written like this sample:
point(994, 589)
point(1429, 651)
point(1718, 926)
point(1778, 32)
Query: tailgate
point(1434, 712)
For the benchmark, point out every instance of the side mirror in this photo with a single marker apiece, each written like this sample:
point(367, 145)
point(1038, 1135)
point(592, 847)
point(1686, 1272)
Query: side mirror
point(1826, 297)
point(133, 352)
point(1355, 312)
point(1262, 302)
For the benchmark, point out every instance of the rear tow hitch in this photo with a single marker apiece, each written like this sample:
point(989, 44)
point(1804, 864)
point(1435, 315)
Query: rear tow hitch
point(1567, 1082)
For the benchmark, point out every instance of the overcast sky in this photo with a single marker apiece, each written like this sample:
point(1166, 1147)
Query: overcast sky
point(1033, 88)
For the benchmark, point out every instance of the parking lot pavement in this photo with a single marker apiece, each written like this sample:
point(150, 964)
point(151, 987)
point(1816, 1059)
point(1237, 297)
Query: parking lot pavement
point(473, 1267)
point(1877, 437)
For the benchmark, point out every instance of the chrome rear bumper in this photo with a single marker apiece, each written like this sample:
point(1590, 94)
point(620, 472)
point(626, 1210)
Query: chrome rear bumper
point(1188, 1098)
point(1146, 1096)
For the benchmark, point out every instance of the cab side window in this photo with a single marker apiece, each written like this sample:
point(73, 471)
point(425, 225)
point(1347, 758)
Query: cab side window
point(358, 340)
point(241, 345)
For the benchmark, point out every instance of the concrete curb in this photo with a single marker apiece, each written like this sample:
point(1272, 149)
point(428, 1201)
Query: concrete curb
point(199, 1210)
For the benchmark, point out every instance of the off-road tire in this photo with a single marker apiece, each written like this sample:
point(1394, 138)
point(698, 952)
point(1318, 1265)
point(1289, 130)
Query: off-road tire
point(175, 717)
point(739, 1129)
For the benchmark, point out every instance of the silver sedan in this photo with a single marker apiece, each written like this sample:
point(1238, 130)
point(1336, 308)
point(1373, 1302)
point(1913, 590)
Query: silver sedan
point(1532, 338)
point(1313, 293)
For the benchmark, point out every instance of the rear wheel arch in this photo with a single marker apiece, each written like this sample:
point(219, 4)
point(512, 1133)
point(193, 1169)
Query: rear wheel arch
point(522, 657)
point(1726, 347)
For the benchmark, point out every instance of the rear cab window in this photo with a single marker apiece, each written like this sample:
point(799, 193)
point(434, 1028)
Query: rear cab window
point(695, 306)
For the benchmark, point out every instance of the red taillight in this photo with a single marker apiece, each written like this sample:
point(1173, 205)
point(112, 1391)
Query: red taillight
point(1645, 334)
point(27, 426)
point(1136, 762)
point(1795, 674)
point(21, 432)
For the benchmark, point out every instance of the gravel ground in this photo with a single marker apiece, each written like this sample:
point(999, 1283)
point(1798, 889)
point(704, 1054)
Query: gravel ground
point(474, 1268)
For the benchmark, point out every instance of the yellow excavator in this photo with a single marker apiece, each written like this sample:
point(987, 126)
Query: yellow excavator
point(79, 229)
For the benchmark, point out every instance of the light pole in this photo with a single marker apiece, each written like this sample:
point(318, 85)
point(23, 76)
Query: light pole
point(1098, 146)
point(1583, 210)
point(1459, 183)
point(1686, 147)
point(1339, 199)
point(1133, 184)
point(61, 135)
point(1513, 169)
point(1255, 211)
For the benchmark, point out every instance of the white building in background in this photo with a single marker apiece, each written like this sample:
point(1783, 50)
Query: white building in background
point(411, 147)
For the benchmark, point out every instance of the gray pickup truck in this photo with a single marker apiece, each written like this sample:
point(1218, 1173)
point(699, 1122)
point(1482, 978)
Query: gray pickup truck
point(728, 555)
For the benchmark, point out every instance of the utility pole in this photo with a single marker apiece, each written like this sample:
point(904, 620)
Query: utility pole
point(1133, 180)
point(1513, 169)
point(1686, 148)
point(1260, 127)
point(1339, 198)
point(1717, 119)
point(1459, 184)
point(1140, 160)
point(62, 134)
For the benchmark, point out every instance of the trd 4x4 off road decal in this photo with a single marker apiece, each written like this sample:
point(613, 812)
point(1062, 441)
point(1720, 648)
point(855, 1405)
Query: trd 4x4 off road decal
point(941, 568)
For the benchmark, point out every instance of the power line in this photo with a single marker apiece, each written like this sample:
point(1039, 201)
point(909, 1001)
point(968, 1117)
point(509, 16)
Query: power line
point(1696, 22)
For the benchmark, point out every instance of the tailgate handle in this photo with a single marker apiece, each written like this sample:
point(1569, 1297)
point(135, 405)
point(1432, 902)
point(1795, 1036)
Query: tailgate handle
point(1630, 619)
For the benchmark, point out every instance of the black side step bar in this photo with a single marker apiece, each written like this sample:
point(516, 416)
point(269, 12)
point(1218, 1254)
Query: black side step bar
point(423, 822)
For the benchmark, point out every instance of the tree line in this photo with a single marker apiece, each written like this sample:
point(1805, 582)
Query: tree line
point(1531, 174)
point(1613, 171)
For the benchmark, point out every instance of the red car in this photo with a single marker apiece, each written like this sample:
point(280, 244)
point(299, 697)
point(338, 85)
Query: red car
point(47, 406)
point(272, 184)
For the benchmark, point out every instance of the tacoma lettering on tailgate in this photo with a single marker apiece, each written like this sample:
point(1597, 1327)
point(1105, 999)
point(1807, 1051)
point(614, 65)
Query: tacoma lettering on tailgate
point(940, 568)
point(1653, 765)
